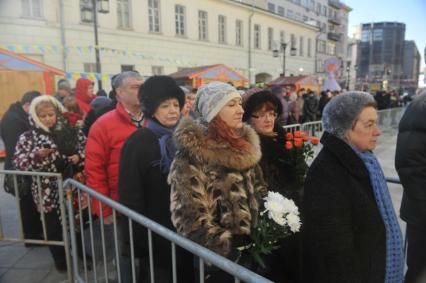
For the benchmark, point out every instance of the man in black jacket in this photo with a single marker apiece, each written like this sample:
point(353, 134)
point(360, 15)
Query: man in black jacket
point(410, 162)
point(14, 123)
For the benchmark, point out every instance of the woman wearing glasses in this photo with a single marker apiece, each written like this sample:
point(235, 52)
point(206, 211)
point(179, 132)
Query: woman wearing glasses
point(261, 111)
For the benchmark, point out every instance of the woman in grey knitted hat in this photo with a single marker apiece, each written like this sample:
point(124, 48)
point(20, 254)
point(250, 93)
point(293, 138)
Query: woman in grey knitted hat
point(351, 232)
point(216, 183)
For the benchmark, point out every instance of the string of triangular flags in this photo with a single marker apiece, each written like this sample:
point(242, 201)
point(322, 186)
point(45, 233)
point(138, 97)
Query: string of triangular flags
point(85, 50)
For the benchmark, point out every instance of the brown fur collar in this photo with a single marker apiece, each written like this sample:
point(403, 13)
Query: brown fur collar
point(190, 136)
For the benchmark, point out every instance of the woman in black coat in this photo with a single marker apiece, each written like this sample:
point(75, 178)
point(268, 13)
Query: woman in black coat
point(261, 110)
point(350, 229)
point(144, 165)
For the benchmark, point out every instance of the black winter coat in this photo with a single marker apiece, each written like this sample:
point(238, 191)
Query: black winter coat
point(344, 238)
point(410, 162)
point(310, 108)
point(283, 264)
point(144, 189)
point(14, 123)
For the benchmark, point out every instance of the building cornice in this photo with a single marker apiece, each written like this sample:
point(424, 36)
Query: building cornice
point(265, 12)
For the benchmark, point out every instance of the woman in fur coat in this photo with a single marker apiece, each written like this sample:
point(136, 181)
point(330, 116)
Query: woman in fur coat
point(216, 183)
point(52, 146)
point(261, 110)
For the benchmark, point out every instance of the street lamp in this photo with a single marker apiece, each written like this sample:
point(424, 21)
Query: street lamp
point(90, 14)
point(348, 69)
point(283, 48)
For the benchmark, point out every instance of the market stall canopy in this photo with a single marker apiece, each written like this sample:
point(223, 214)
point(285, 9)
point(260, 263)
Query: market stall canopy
point(13, 61)
point(19, 74)
point(297, 82)
point(197, 76)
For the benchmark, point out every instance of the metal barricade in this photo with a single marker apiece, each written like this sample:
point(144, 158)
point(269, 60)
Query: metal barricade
point(314, 129)
point(292, 128)
point(205, 255)
point(388, 119)
point(45, 240)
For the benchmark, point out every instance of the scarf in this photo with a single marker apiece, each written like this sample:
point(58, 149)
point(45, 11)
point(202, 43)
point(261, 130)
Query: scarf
point(394, 242)
point(167, 145)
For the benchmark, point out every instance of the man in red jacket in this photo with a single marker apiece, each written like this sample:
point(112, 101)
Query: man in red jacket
point(106, 137)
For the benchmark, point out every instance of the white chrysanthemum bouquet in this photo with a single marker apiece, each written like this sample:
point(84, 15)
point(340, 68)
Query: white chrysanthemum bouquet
point(279, 220)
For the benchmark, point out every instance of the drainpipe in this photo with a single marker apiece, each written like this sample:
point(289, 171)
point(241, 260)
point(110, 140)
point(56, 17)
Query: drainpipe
point(62, 28)
point(249, 43)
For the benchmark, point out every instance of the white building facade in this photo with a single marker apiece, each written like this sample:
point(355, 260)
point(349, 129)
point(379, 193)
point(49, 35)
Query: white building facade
point(156, 36)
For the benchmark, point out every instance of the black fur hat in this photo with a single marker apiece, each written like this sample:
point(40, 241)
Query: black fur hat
point(259, 98)
point(155, 90)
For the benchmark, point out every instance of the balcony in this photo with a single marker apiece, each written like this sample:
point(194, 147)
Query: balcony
point(335, 3)
point(333, 36)
point(334, 20)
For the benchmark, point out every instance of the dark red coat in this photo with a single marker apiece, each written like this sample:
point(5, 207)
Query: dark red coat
point(81, 95)
point(106, 137)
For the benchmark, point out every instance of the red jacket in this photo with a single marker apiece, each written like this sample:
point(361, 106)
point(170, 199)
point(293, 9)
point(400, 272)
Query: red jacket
point(81, 95)
point(106, 137)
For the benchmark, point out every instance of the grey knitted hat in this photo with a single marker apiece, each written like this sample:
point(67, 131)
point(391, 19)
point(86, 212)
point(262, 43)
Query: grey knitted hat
point(340, 113)
point(212, 97)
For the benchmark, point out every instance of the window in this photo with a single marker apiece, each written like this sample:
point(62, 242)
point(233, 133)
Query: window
point(320, 66)
point(126, 68)
point(257, 36)
point(202, 25)
point(32, 8)
point(239, 33)
point(301, 46)
point(84, 5)
point(290, 14)
point(309, 47)
point(318, 8)
point(312, 5)
point(298, 17)
point(157, 70)
point(281, 11)
point(305, 18)
point(377, 35)
point(271, 7)
point(282, 36)
point(123, 13)
point(305, 3)
point(321, 46)
point(154, 15)
point(324, 28)
point(89, 67)
point(324, 11)
point(222, 29)
point(270, 38)
point(180, 20)
point(293, 41)
point(331, 48)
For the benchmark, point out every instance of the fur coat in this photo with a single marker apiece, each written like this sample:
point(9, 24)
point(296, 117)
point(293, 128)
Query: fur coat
point(215, 189)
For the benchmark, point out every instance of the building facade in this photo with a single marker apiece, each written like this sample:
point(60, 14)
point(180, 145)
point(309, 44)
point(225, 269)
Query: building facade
point(411, 61)
point(380, 53)
point(330, 16)
point(156, 36)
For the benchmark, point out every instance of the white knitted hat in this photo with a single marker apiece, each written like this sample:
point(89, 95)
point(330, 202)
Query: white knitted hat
point(212, 97)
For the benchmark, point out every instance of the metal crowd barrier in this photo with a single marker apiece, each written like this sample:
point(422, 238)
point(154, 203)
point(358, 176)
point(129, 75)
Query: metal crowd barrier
point(389, 118)
point(314, 129)
point(292, 128)
point(45, 240)
point(205, 255)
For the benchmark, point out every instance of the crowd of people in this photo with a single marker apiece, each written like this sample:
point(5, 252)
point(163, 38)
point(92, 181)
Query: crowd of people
point(200, 162)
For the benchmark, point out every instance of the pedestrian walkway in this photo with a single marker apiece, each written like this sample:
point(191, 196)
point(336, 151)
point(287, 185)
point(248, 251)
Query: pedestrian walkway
point(35, 265)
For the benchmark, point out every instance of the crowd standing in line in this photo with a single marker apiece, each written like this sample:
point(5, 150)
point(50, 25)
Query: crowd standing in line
point(200, 161)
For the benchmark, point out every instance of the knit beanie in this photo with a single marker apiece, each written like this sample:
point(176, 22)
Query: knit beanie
point(340, 113)
point(257, 99)
point(157, 89)
point(100, 102)
point(212, 97)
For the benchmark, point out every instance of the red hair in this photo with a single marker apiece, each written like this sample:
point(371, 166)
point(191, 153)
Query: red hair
point(219, 131)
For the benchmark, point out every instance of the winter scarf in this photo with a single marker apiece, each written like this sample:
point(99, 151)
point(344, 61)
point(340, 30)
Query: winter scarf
point(167, 145)
point(394, 243)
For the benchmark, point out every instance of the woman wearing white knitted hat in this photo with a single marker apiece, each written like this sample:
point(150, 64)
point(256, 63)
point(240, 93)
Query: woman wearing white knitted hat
point(216, 182)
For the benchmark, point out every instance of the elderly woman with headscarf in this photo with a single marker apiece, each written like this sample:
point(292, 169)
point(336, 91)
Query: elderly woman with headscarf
point(351, 232)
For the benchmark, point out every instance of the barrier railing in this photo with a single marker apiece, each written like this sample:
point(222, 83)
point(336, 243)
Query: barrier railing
point(205, 256)
point(314, 129)
point(45, 241)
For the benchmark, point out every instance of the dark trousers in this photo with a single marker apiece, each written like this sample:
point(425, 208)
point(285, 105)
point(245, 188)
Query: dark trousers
point(30, 218)
point(416, 254)
point(54, 233)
